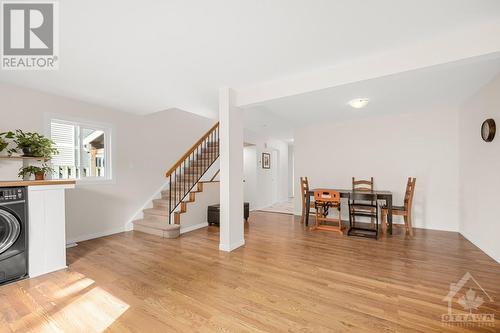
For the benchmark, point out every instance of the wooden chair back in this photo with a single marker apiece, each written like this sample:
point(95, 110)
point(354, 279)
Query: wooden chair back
point(327, 196)
point(362, 185)
point(304, 192)
point(304, 186)
point(410, 191)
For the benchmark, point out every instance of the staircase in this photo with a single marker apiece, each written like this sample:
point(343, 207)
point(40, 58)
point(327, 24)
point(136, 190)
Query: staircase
point(184, 179)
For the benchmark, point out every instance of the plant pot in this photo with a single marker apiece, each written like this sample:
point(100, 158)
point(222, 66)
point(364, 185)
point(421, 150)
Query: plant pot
point(28, 151)
point(39, 176)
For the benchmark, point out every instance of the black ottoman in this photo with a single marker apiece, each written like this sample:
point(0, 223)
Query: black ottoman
point(213, 213)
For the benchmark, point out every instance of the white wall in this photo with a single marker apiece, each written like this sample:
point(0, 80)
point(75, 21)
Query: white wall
point(480, 171)
point(291, 177)
point(390, 148)
point(145, 147)
point(258, 181)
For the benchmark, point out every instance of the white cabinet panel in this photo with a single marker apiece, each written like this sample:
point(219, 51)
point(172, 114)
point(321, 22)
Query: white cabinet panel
point(47, 235)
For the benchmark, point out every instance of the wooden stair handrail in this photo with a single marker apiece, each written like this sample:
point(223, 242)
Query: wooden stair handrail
point(191, 150)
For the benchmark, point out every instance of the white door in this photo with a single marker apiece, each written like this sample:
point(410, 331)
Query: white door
point(249, 174)
point(274, 175)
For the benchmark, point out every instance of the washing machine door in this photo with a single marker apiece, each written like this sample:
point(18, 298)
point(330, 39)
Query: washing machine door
point(10, 229)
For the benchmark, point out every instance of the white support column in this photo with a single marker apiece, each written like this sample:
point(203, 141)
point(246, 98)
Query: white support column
point(231, 172)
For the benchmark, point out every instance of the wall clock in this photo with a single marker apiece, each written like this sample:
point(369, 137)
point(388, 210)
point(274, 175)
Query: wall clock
point(488, 130)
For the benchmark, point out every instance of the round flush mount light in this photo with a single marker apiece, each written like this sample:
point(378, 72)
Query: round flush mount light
point(358, 103)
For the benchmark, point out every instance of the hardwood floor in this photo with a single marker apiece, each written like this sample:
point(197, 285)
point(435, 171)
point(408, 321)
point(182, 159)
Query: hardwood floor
point(285, 279)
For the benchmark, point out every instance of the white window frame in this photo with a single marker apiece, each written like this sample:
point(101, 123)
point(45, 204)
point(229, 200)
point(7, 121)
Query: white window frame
point(108, 131)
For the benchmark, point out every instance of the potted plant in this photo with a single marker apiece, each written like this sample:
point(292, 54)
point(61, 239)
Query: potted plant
point(3, 142)
point(33, 144)
point(39, 172)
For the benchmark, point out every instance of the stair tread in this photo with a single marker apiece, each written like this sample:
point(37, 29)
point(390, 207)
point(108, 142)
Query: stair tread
point(156, 224)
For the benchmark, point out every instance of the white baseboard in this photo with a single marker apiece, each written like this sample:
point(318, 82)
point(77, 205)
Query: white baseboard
point(231, 247)
point(95, 235)
point(257, 208)
point(193, 227)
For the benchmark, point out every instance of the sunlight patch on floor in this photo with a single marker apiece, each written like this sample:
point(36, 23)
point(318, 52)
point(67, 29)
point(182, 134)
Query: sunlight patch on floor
point(285, 207)
point(74, 288)
point(92, 312)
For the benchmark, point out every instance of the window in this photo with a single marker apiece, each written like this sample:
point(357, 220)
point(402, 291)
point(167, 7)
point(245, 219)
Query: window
point(84, 150)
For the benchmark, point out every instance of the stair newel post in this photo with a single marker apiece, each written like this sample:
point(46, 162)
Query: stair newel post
point(170, 200)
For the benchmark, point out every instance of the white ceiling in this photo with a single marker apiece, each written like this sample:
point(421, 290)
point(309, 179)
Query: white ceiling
point(150, 55)
point(437, 87)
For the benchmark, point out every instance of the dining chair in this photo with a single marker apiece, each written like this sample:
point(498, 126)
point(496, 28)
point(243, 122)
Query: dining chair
point(405, 210)
point(369, 211)
point(326, 200)
point(363, 205)
point(304, 192)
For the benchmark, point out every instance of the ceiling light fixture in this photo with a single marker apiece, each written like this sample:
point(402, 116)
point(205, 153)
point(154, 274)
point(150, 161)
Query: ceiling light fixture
point(359, 103)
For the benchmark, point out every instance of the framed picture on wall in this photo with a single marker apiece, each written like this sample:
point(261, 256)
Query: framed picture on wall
point(266, 161)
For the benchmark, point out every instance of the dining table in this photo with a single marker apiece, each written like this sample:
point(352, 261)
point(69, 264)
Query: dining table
point(385, 196)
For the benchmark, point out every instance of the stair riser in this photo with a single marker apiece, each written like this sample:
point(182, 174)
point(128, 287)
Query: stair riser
point(160, 205)
point(157, 218)
point(157, 232)
point(180, 189)
point(157, 212)
point(166, 194)
point(164, 203)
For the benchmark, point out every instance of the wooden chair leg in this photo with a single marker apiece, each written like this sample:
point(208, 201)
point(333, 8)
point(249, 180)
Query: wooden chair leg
point(383, 215)
point(410, 226)
point(302, 218)
point(340, 222)
point(405, 218)
point(316, 222)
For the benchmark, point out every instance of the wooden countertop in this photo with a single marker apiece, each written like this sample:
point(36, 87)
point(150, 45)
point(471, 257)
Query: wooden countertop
point(17, 183)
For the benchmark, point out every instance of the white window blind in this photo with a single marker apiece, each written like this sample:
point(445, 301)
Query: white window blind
point(63, 136)
point(84, 150)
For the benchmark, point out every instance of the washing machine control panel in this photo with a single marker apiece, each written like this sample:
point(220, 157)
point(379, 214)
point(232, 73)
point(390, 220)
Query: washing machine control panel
point(11, 194)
